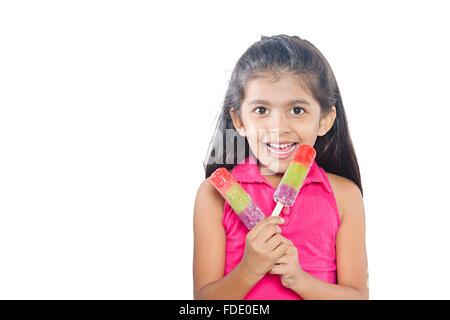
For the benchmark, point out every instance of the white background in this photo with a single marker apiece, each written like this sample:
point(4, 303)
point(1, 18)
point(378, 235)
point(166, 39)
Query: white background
point(107, 108)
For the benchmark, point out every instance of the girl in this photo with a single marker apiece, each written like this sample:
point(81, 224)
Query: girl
point(282, 94)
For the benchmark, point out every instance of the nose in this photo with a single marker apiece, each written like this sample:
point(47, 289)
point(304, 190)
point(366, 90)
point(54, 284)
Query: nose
point(279, 123)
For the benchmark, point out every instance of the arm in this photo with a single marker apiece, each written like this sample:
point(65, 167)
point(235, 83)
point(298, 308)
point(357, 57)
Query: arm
point(209, 251)
point(351, 257)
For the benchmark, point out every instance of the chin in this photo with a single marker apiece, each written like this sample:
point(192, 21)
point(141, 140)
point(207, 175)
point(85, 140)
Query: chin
point(272, 167)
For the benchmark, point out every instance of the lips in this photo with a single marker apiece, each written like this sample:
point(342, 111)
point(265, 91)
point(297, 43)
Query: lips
point(281, 150)
point(281, 146)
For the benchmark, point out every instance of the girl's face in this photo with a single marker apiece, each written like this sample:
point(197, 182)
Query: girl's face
point(278, 115)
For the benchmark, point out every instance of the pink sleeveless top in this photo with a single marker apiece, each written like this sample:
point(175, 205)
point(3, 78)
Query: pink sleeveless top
point(311, 224)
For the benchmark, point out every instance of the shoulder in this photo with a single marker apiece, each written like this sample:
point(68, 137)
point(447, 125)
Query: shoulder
point(208, 202)
point(348, 196)
point(351, 256)
point(209, 236)
point(206, 192)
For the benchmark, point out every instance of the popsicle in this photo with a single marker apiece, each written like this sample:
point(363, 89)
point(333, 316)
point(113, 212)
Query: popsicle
point(236, 197)
point(293, 178)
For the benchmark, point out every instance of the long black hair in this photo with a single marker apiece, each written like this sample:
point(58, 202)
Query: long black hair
point(335, 152)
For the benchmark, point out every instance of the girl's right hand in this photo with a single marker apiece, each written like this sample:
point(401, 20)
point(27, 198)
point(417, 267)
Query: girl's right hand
point(263, 246)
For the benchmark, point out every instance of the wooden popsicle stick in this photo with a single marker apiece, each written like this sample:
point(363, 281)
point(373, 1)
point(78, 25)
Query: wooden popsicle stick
point(278, 208)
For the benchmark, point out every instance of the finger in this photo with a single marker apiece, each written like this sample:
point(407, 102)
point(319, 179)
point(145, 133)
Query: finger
point(287, 241)
point(272, 220)
point(279, 251)
point(267, 233)
point(274, 241)
point(283, 259)
point(291, 248)
point(278, 269)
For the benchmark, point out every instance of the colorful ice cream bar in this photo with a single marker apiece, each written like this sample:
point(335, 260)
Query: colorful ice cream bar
point(236, 197)
point(294, 177)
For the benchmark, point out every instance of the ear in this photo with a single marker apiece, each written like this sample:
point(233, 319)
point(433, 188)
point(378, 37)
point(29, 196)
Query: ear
point(326, 121)
point(237, 122)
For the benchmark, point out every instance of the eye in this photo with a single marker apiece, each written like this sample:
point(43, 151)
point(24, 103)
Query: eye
point(297, 110)
point(263, 110)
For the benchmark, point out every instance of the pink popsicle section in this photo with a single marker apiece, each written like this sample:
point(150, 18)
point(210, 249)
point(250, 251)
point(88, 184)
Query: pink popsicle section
point(223, 181)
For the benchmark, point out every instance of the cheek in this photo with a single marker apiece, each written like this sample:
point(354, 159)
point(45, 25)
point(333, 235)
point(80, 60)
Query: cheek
point(252, 129)
point(252, 136)
point(250, 124)
point(307, 128)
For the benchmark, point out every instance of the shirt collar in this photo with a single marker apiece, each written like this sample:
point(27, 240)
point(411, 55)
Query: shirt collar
point(247, 171)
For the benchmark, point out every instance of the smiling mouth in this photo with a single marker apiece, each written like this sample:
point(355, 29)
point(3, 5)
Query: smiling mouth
point(281, 149)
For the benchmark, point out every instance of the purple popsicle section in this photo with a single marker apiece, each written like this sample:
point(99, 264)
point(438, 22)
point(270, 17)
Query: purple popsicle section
point(285, 194)
point(251, 215)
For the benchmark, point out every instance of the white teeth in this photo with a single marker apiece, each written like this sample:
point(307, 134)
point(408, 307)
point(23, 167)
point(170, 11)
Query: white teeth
point(280, 146)
point(274, 150)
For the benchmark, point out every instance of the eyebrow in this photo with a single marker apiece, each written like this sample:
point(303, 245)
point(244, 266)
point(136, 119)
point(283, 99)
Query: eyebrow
point(258, 101)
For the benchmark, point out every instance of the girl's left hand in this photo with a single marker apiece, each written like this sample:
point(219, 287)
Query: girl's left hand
point(288, 266)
